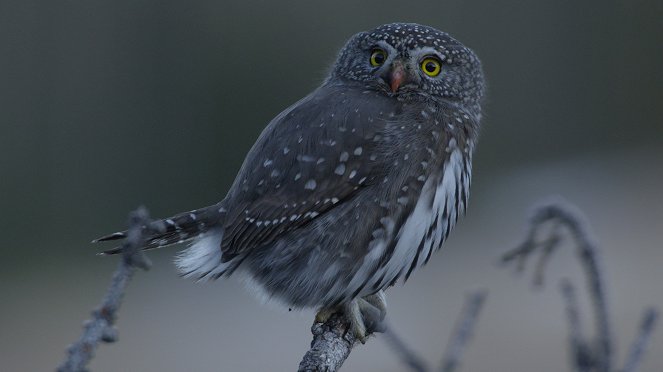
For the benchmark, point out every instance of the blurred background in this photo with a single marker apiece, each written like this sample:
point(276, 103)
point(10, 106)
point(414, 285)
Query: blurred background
point(106, 105)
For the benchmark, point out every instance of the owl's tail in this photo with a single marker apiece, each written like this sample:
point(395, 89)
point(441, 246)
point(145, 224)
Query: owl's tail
point(176, 229)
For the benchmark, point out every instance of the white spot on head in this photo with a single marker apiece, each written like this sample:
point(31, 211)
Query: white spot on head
point(358, 151)
point(344, 156)
point(340, 169)
point(352, 174)
point(298, 176)
point(286, 150)
point(267, 163)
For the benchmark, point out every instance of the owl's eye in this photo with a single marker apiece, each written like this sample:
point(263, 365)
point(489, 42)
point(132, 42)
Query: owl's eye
point(378, 56)
point(431, 66)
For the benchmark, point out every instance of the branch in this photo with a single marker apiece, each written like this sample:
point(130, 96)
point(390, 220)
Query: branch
point(332, 342)
point(563, 214)
point(587, 356)
point(579, 349)
point(407, 356)
point(463, 331)
point(100, 328)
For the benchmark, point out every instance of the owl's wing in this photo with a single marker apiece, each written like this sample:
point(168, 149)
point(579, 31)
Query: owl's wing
point(317, 154)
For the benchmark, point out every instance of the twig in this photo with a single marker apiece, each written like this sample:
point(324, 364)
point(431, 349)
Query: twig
point(587, 356)
point(463, 331)
point(100, 328)
point(647, 326)
point(332, 342)
point(413, 361)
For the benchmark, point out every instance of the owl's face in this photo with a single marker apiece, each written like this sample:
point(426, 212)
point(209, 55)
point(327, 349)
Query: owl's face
point(411, 61)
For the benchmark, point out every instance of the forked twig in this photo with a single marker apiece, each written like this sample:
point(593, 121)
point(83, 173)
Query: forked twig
point(594, 355)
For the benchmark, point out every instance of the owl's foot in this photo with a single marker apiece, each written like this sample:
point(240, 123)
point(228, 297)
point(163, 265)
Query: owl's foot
point(366, 315)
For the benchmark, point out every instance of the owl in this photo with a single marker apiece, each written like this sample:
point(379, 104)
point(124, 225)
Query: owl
point(353, 187)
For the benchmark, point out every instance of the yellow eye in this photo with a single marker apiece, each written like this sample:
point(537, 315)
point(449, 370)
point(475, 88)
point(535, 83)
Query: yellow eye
point(378, 56)
point(431, 66)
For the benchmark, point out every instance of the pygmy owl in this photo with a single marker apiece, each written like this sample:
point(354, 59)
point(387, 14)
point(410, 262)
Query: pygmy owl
point(354, 186)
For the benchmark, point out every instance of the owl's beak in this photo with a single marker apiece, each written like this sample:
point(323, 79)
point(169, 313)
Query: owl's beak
point(395, 76)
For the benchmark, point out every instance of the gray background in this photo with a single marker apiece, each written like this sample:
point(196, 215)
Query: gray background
point(105, 105)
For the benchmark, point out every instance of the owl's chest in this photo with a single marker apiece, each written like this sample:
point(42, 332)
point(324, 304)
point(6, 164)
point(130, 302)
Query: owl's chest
point(442, 200)
point(426, 225)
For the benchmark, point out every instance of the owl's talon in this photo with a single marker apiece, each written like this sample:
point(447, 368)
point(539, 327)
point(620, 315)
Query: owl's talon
point(324, 314)
point(379, 301)
point(354, 314)
point(366, 315)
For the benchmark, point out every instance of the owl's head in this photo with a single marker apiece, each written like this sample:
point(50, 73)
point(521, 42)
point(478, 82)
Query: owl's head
point(411, 61)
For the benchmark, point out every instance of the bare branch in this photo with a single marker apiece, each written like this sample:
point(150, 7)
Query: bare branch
point(463, 331)
point(100, 328)
point(332, 342)
point(647, 326)
point(563, 214)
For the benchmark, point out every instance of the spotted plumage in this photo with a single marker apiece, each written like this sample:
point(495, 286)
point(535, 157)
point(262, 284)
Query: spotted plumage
point(353, 187)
